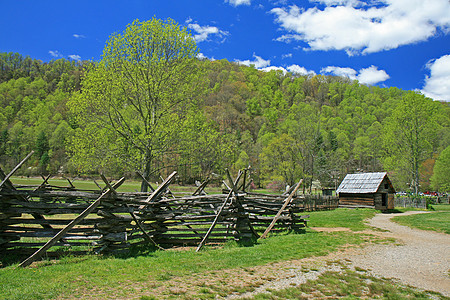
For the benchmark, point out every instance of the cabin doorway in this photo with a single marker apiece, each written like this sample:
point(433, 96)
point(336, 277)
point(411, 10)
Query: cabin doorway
point(384, 199)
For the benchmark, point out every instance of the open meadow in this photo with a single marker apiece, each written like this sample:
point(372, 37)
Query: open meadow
point(231, 269)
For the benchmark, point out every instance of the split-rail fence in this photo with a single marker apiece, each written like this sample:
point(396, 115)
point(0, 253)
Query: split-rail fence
point(37, 219)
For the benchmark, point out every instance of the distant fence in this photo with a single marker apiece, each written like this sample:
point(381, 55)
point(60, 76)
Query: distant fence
point(411, 201)
point(317, 202)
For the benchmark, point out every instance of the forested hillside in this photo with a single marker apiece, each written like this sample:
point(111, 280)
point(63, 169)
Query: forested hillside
point(285, 126)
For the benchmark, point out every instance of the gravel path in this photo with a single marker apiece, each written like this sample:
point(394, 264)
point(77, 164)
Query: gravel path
point(423, 259)
point(419, 258)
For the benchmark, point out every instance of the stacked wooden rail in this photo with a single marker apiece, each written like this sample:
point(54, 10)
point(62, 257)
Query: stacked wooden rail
point(35, 219)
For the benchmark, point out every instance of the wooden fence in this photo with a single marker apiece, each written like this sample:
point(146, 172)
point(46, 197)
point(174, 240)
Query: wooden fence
point(33, 219)
point(407, 201)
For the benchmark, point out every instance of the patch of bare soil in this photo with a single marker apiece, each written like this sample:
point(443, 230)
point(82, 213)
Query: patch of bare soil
point(330, 229)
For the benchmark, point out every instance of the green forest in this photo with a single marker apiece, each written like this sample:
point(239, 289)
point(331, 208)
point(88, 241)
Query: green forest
point(158, 111)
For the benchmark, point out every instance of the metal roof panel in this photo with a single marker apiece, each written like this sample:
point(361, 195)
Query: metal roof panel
point(361, 183)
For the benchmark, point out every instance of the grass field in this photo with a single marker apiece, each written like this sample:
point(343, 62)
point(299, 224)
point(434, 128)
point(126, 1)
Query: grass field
point(88, 184)
point(436, 221)
point(147, 273)
point(182, 273)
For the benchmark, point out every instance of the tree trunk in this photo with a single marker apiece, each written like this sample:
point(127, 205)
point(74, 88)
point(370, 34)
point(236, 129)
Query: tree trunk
point(146, 174)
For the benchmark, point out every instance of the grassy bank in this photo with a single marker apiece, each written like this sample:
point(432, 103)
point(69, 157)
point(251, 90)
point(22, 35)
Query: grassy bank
point(435, 221)
point(341, 217)
point(111, 276)
point(148, 272)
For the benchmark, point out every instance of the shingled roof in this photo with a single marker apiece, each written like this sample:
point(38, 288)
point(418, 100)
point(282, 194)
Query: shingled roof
point(361, 183)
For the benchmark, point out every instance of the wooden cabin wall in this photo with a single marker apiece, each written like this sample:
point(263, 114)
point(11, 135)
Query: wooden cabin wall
point(384, 188)
point(356, 199)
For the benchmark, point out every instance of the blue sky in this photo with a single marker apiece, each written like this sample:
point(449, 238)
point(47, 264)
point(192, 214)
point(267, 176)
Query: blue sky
point(401, 43)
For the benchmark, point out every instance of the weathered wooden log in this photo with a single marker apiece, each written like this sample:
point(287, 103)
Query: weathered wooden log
point(6, 178)
point(286, 202)
point(74, 222)
point(218, 213)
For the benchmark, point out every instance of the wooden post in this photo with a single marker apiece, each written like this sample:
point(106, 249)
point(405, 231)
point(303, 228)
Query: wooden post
point(146, 181)
point(10, 186)
point(286, 202)
point(159, 190)
point(36, 255)
point(201, 187)
point(233, 184)
point(214, 222)
point(147, 237)
point(15, 169)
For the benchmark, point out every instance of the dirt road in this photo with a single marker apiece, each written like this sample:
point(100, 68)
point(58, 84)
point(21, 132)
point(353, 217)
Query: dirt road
point(419, 258)
point(423, 259)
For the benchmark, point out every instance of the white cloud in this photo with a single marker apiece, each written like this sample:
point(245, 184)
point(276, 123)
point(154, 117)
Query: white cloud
point(75, 57)
point(437, 85)
point(381, 25)
point(78, 36)
point(354, 3)
point(259, 62)
point(372, 75)
point(203, 56)
point(288, 55)
point(204, 31)
point(338, 71)
point(296, 69)
point(239, 2)
point(369, 76)
point(273, 68)
point(55, 53)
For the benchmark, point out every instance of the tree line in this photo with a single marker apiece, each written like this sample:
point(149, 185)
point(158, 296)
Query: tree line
point(156, 107)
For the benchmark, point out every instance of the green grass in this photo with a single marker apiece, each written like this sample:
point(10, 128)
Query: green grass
point(440, 207)
point(436, 221)
point(341, 217)
point(349, 284)
point(88, 184)
point(109, 276)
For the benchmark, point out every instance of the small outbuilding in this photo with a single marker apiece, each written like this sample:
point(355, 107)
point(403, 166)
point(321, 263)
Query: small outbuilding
point(366, 190)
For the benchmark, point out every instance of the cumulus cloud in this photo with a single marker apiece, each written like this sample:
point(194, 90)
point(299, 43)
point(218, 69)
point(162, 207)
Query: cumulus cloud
point(78, 36)
point(372, 75)
point(75, 57)
point(296, 69)
point(369, 76)
point(259, 62)
point(380, 25)
point(203, 32)
point(239, 2)
point(437, 85)
point(338, 71)
point(288, 55)
point(354, 3)
point(273, 68)
point(55, 53)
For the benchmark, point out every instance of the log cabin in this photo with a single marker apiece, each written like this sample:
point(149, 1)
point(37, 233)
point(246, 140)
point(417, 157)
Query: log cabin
point(372, 190)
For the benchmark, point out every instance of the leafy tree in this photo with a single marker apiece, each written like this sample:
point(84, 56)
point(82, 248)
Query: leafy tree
point(441, 172)
point(410, 135)
point(281, 160)
point(133, 102)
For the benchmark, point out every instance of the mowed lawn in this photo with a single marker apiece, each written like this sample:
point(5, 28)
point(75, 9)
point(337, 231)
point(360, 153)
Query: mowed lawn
point(147, 273)
point(141, 271)
point(439, 220)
